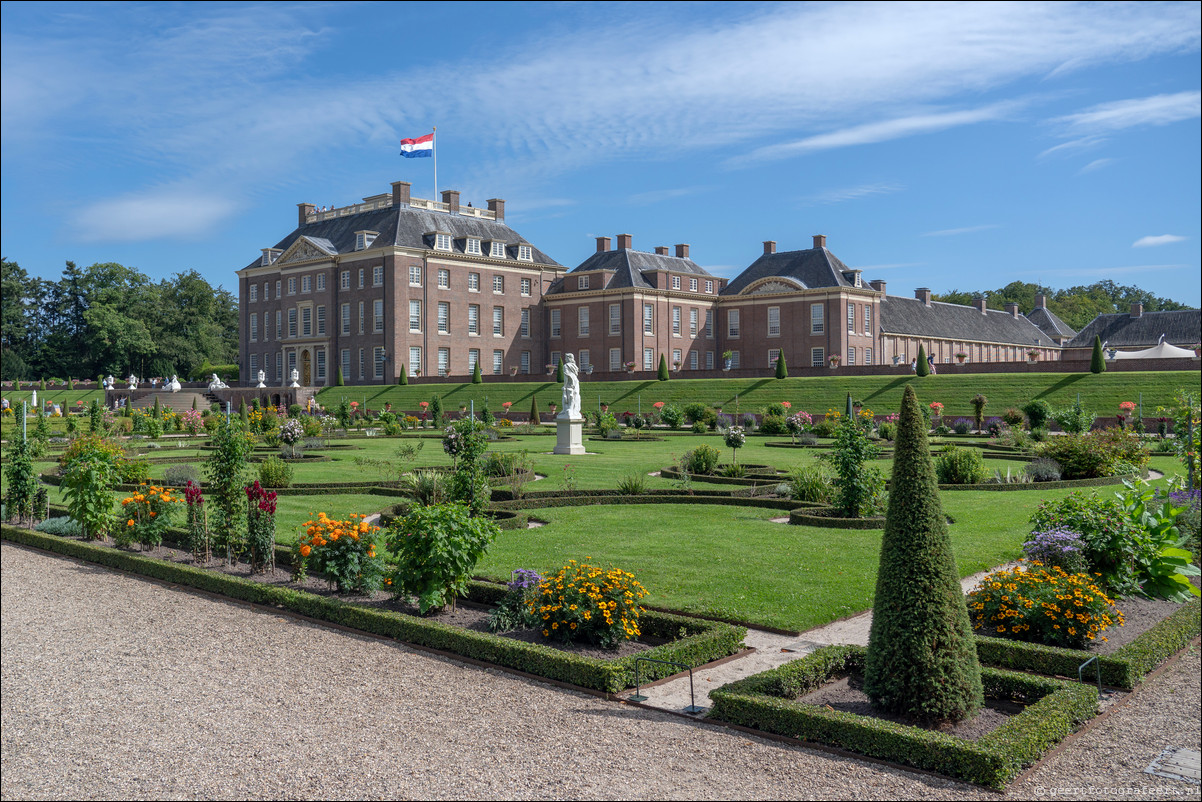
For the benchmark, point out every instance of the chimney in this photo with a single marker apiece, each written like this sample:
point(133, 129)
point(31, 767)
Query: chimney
point(682, 250)
point(400, 193)
point(602, 244)
point(924, 295)
point(661, 250)
point(878, 285)
point(303, 210)
point(769, 246)
point(624, 242)
point(1137, 310)
point(819, 241)
point(1012, 309)
point(1041, 301)
point(497, 207)
point(451, 198)
point(978, 303)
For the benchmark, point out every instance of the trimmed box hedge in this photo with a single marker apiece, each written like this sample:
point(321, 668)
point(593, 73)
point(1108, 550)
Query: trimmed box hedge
point(768, 702)
point(696, 641)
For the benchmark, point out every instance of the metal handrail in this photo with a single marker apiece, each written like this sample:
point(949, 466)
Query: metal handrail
point(1097, 666)
point(638, 696)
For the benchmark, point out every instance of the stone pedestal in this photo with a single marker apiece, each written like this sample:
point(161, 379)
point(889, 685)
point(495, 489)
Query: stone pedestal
point(569, 437)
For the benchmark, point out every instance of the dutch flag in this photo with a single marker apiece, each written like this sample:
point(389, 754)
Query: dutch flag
point(423, 146)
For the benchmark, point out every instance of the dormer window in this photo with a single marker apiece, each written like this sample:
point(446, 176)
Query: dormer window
point(496, 249)
point(269, 256)
point(853, 278)
point(364, 239)
point(676, 282)
point(473, 246)
point(525, 253)
point(582, 283)
point(442, 242)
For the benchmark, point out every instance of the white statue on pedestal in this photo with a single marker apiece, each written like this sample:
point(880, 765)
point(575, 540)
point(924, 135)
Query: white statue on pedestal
point(571, 389)
point(295, 378)
point(110, 382)
point(132, 381)
point(217, 384)
point(262, 379)
point(174, 385)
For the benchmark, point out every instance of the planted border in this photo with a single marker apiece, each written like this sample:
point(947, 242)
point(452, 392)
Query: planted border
point(702, 641)
point(767, 702)
point(828, 518)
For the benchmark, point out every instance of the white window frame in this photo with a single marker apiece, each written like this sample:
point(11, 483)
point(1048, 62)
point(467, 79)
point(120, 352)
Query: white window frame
point(496, 250)
point(444, 361)
point(648, 359)
point(851, 355)
point(254, 293)
point(292, 285)
point(774, 321)
point(473, 319)
point(442, 242)
point(709, 286)
point(615, 359)
point(415, 358)
point(582, 324)
point(360, 278)
point(524, 325)
point(473, 247)
point(415, 317)
point(584, 359)
point(525, 253)
point(692, 285)
point(444, 317)
point(319, 360)
point(345, 363)
point(473, 282)
point(648, 319)
point(773, 356)
point(525, 363)
point(694, 360)
point(733, 326)
point(868, 319)
point(498, 321)
point(676, 321)
point(292, 322)
point(346, 280)
point(498, 362)
point(377, 276)
point(254, 327)
point(444, 278)
point(851, 317)
point(709, 323)
point(378, 362)
point(415, 275)
point(321, 321)
point(498, 285)
point(306, 284)
point(615, 318)
point(709, 360)
point(582, 283)
point(362, 319)
point(473, 359)
point(378, 316)
point(307, 321)
point(817, 357)
point(817, 318)
point(346, 319)
point(693, 319)
point(321, 282)
point(556, 316)
point(526, 287)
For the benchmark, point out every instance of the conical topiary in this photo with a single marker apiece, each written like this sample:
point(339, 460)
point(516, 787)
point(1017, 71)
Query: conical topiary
point(476, 377)
point(662, 375)
point(534, 410)
point(922, 368)
point(782, 370)
point(922, 659)
point(1097, 362)
point(339, 381)
point(404, 377)
point(558, 371)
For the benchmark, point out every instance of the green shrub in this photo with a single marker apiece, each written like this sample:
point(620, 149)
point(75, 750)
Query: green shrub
point(582, 602)
point(133, 471)
point(810, 483)
point(606, 423)
point(1109, 452)
point(960, 466)
point(180, 475)
point(343, 550)
point(672, 416)
point(1043, 470)
point(774, 424)
point(517, 609)
point(1104, 525)
point(858, 486)
point(435, 551)
point(1042, 605)
point(89, 468)
point(887, 431)
point(426, 487)
point(701, 460)
point(634, 484)
point(274, 472)
point(63, 527)
point(1074, 419)
point(699, 427)
point(1037, 412)
point(1012, 417)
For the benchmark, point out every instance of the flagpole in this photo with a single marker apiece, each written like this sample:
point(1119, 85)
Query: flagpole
point(434, 142)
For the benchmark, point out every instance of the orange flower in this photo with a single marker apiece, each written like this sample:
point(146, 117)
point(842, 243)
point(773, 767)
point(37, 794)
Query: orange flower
point(305, 551)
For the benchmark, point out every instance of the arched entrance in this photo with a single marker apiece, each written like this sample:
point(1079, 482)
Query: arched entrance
point(306, 368)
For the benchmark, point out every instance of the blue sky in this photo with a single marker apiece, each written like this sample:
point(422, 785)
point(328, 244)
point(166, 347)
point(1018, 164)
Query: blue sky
point(946, 146)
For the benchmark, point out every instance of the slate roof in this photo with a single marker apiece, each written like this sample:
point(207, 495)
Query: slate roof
point(1050, 325)
point(629, 265)
point(816, 267)
point(1182, 328)
point(407, 227)
point(911, 317)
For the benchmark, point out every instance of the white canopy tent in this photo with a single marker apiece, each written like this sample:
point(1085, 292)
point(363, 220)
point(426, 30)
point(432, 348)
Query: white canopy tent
point(1161, 350)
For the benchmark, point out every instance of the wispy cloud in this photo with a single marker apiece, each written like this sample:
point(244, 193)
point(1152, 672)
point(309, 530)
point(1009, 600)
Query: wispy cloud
point(661, 195)
point(955, 232)
point(850, 193)
point(160, 213)
point(1073, 146)
point(1121, 114)
point(1152, 242)
point(1096, 164)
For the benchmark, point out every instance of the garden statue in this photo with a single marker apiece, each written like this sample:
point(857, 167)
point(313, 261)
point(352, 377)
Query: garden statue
point(174, 385)
point(132, 381)
point(110, 382)
point(571, 389)
point(262, 379)
point(295, 378)
point(217, 384)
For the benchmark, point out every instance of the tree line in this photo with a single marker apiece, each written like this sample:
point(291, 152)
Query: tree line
point(110, 319)
point(1076, 306)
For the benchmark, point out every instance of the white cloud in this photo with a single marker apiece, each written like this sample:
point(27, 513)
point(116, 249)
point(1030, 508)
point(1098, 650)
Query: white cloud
point(1121, 114)
point(1068, 148)
point(1152, 242)
point(851, 193)
point(1096, 164)
point(157, 214)
point(953, 232)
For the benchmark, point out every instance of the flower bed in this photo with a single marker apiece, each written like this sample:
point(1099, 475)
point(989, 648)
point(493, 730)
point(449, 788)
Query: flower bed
point(768, 702)
point(701, 642)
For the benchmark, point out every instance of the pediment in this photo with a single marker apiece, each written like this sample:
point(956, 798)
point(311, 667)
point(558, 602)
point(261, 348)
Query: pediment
point(305, 250)
point(773, 285)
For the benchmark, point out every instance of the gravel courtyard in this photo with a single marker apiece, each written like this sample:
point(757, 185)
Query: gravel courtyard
point(118, 687)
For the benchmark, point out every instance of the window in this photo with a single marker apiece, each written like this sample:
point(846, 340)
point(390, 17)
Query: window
point(851, 355)
point(321, 364)
point(473, 282)
point(817, 325)
point(266, 329)
point(254, 327)
point(321, 287)
point(676, 357)
point(377, 276)
point(442, 242)
point(868, 320)
point(648, 319)
point(346, 362)
point(498, 321)
point(473, 246)
point(361, 365)
point(525, 286)
point(415, 275)
point(648, 359)
point(360, 278)
point(266, 291)
point(278, 326)
point(676, 282)
point(279, 366)
point(582, 321)
point(556, 357)
point(377, 310)
point(306, 284)
point(321, 321)
point(415, 316)
point(277, 289)
point(774, 321)
point(345, 280)
point(254, 293)
point(362, 322)
point(346, 318)
point(378, 361)
point(584, 359)
point(692, 322)
point(692, 285)
point(851, 318)
point(773, 356)
point(732, 323)
point(709, 286)
point(364, 239)
point(615, 359)
point(498, 285)
point(525, 362)
point(709, 323)
point(473, 319)
point(292, 286)
point(291, 362)
point(444, 317)
point(415, 359)
point(444, 279)
point(524, 326)
point(582, 283)
point(473, 359)
point(496, 249)
point(307, 322)
point(291, 322)
point(498, 362)
point(709, 360)
point(444, 361)
point(254, 367)
point(555, 315)
point(676, 321)
point(817, 357)
point(734, 360)
point(525, 253)
point(867, 356)
point(693, 360)
point(615, 319)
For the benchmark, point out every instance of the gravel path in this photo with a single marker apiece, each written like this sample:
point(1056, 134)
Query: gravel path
point(114, 686)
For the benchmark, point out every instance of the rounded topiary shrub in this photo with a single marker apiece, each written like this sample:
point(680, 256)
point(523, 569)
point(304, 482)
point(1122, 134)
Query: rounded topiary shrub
point(703, 459)
point(960, 466)
point(274, 472)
